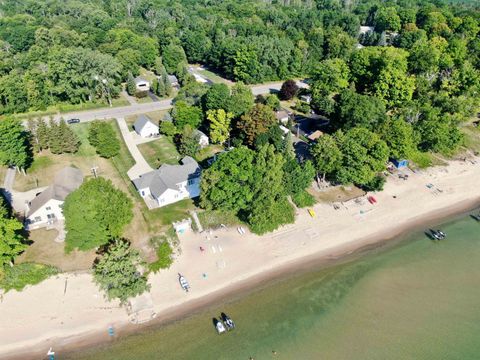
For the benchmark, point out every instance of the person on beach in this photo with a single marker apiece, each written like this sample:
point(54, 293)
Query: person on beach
point(202, 249)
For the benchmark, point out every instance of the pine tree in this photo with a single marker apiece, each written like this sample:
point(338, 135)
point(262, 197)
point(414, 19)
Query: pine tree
point(69, 140)
point(154, 86)
point(32, 129)
point(166, 83)
point(42, 134)
point(131, 87)
point(54, 141)
point(161, 88)
point(158, 67)
point(287, 146)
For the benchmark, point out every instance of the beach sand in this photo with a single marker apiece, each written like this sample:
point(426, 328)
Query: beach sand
point(69, 311)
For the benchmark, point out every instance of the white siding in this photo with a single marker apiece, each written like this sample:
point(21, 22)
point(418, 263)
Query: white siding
point(49, 212)
point(149, 129)
point(185, 190)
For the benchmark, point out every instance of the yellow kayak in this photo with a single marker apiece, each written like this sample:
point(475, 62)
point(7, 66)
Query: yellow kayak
point(311, 212)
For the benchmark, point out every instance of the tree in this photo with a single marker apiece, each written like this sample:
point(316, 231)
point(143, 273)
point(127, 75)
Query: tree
point(130, 60)
point(158, 66)
point(272, 102)
point(219, 124)
point(184, 114)
point(171, 56)
point(62, 139)
point(257, 121)
point(329, 78)
point(217, 97)
point(399, 137)
point(364, 155)
point(41, 135)
point(327, 155)
point(386, 18)
point(94, 214)
point(168, 129)
point(167, 85)
point(354, 109)
point(241, 99)
point(131, 86)
point(189, 144)
point(288, 90)
point(14, 144)
point(296, 177)
point(102, 136)
point(11, 240)
point(227, 184)
point(117, 272)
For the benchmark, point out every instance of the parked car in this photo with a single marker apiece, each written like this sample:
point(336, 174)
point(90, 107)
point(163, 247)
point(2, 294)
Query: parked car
point(73, 121)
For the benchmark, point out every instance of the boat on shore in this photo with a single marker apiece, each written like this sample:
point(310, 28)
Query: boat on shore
point(219, 326)
point(183, 282)
point(229, 324)
point(436, 234)
point(475, 216)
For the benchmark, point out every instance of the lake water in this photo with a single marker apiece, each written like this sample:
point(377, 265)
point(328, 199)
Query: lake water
point(415, 300)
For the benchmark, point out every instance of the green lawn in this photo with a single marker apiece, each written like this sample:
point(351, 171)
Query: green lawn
point(208, 152)
point(66, 108)
point(160, 151)
point(159, 219)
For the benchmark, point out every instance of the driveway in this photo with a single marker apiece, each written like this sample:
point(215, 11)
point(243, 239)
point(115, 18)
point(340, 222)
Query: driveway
point(141, 166)
point(274, 87)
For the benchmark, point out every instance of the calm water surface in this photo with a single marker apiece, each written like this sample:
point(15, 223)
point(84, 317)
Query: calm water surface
point(416, 300)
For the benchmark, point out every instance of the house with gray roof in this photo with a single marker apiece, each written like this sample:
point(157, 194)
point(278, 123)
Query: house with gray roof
point(145, 127)
point(170, 183)
point(142, 84)
point(46, 208)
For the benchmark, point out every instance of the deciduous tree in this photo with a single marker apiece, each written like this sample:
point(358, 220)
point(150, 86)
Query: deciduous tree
point(219, 124)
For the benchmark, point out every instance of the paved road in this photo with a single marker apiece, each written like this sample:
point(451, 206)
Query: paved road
point(273, 87)
point(123, 111)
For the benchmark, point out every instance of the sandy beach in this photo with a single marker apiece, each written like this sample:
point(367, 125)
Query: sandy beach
point(68, 310)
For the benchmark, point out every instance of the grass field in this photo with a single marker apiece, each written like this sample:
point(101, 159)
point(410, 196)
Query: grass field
point(45, 250)
point(160, 151)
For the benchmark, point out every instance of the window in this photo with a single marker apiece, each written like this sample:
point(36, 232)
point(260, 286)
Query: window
point(50, 216)
point(48, 208)
point(143, 193)
point(190, 181)
point(176, 196)
point(37, 219)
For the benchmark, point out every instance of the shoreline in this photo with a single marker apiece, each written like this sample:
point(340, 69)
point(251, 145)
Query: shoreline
point(276, 269)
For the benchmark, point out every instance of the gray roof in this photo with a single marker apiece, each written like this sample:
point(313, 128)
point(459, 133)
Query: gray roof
point(199, 133)
point(281, 114)
point(168, 176)
point(173, 79)
point(141, 122)
point(140, 79)
point(67, 180)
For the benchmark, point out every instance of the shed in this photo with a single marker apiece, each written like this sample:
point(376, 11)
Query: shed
point(145, 127)
point(142, 84)
point(282, 116)
point(400, 163)
point(315, 135)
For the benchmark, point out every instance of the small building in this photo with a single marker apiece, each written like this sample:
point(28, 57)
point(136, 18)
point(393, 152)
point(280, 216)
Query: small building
point(46, 208)
point(145, 127)
point(142, 84)
point(173, 81)
point(282, 116)
point(202, 138)
point(284, 130)
point(400, 163)
point(366, 29)
point(306, 98)
point(170, 183)
point(315, 135)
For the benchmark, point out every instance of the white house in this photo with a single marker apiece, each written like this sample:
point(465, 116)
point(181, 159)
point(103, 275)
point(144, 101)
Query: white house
point(46, 208)
point(365, 29)
point(202, 138)
point(145, 127)
point(170, 183)
point(142, 84)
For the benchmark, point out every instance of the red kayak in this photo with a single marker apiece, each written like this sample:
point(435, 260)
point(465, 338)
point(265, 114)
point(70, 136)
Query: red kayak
point(372, 200)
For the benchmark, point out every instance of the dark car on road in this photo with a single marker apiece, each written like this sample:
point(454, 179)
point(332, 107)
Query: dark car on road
point(73, 121)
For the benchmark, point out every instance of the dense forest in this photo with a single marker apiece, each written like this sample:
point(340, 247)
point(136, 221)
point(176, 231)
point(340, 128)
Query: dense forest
point(76, 51)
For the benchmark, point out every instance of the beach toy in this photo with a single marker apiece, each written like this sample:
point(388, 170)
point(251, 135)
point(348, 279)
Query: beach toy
point(111, 332)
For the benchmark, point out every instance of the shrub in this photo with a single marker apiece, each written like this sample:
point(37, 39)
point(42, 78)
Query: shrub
point(302, 106)
point(303, 199)
point(164, 257)
point(102, 136)
point(18, 276)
